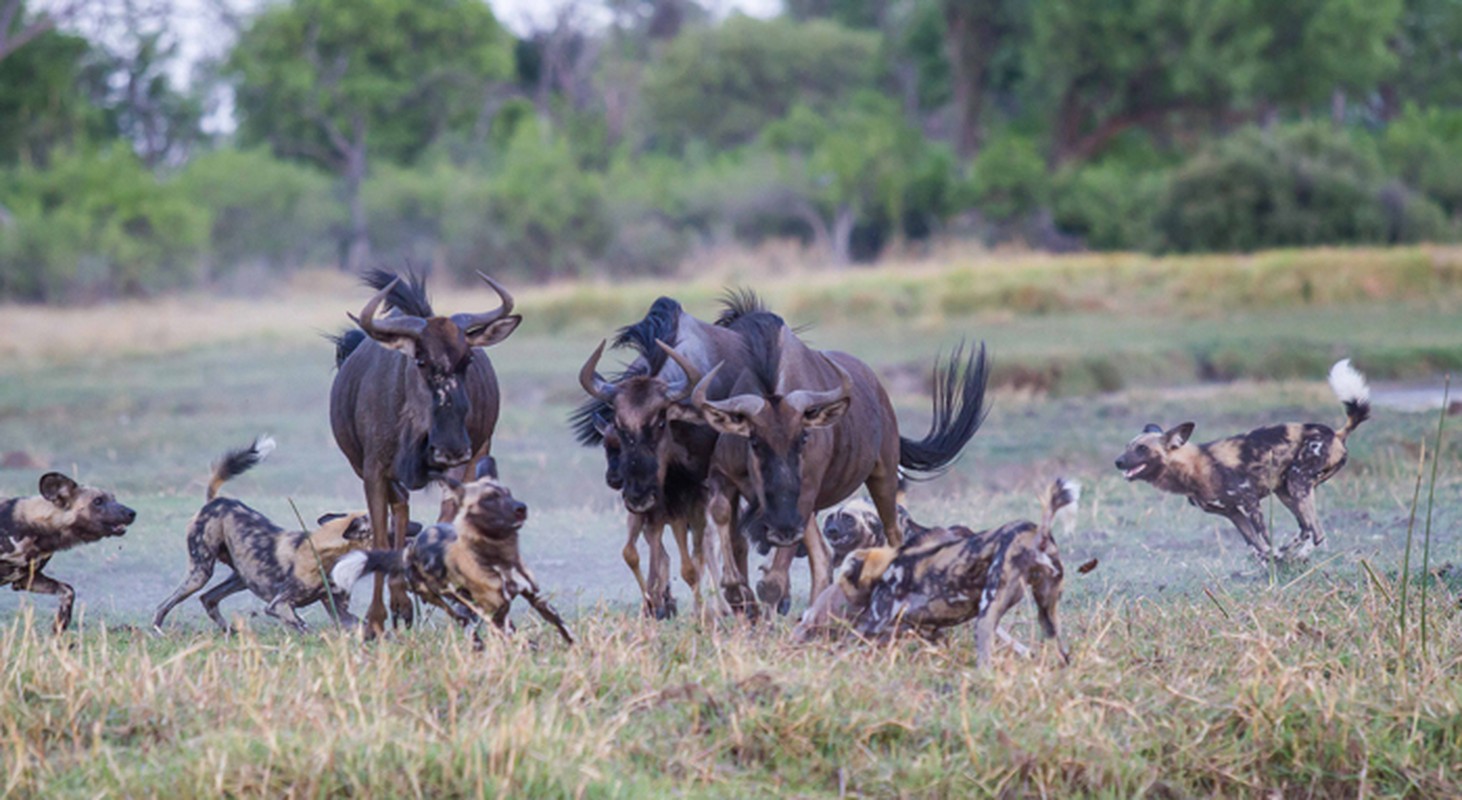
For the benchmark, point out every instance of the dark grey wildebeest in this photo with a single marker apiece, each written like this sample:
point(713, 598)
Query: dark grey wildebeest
point(414, 400)
point(802, 429)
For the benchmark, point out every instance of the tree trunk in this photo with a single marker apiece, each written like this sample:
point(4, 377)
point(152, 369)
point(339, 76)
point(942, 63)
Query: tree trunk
point(358, 247)
point(843, 235)
point(969, 38)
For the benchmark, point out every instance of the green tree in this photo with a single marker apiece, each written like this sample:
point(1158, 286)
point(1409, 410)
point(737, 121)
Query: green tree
point(48, 97)
point(1424, 45)
point(1318, 50)
point(339, 82)
point(723, 84)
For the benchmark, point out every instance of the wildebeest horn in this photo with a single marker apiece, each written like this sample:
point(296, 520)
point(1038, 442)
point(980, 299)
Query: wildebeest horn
point(398, 325)
point(471, 322)
point(804, 399)
point(745, 404)
point(589, 378)
point(692, 375)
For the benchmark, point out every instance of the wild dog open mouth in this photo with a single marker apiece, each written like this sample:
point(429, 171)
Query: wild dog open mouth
point(1135, 472)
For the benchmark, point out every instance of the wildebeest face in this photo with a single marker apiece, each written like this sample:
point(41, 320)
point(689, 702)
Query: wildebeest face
point(1146, 455)
point(789, 448)
point(89, 512)
point(613, 453)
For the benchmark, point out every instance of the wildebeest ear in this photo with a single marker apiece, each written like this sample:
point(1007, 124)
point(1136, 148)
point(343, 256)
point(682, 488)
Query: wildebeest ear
point(680, 412)
point(826, 414)
point(1152, 427)
point(495, 331)
point(57, 488)
point(734, 423)
point(324, 518)
point(1177, 437)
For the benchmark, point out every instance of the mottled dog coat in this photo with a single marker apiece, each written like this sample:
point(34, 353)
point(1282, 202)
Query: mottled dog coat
point(942, 577)
point(1230, 476)
point(467, 567)
point(284, 568)
point(62, 516)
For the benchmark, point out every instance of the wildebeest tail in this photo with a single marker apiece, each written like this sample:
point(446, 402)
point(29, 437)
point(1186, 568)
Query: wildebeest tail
point(959, 408)
point(1059, 500)
point(353, 566)
point(1354, 393)
point(236, 462)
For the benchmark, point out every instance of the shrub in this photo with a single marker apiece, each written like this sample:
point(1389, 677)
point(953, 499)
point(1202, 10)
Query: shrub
point(1108, 204)
point(1421, 148)
point(96, 223)
point(1009, 179)
point(1288, 187)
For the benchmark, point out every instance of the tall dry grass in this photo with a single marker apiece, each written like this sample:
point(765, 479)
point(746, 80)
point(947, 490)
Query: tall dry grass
point(1297, 689)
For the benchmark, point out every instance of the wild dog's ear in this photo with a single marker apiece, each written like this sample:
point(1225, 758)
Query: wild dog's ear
point(324, 518)
point(58, 488)
point(413, 528)
point(680, 412)
point(486, 468)
point(495, 331)
point(1152, 427)
point(359, 528)
point(1177, 437)
point(826, 414)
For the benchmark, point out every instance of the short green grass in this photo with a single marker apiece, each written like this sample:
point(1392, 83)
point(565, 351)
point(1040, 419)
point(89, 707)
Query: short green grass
point(1196, 671)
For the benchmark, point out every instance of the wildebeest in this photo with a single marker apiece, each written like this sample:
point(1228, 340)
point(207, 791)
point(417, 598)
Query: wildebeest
point(657, 448)
point(1229, 477)
point(62, 516)
point(286, 569)
point(942, 577)
point(802, 429)
point(414, 400)
point(469, 567)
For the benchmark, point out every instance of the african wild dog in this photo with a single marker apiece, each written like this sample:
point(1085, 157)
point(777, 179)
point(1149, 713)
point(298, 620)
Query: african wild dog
point(1230, 476)
point(942, 577)
point(63, 515)
point(284, 568)
point(469, 567)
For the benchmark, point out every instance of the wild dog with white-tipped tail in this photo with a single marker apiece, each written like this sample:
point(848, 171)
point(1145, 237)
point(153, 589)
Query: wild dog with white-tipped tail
point(1229, 477)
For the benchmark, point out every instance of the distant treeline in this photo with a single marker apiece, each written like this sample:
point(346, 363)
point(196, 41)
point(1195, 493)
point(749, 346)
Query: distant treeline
point(624, 137)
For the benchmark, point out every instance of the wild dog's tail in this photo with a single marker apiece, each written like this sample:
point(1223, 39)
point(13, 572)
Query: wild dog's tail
point(353, 566)
point(236, 462)
point(959, 408)
point(1059, 500)
point(1350, 386)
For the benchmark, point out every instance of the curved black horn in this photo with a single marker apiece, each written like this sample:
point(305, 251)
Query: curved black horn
point(589, 378)
point(804, 399)
point(400, 325)
point(692, 375)
point(469, 322)
point(745, 404)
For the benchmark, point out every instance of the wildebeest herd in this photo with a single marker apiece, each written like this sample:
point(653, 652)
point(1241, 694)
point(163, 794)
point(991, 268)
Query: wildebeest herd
point(734, 433)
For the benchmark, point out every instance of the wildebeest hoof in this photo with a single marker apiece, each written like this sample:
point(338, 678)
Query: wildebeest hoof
point(772, 593)
point(784, 606)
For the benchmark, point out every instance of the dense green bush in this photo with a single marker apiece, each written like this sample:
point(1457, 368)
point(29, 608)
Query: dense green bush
point(96, 223)
point(1289, 187)
point(1424, 148)
point(1009, 179)
point(268, 212)
point(1109, 204)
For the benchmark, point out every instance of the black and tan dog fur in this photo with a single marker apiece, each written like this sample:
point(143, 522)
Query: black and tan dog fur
point(284, 568)
point(942, 577)
point(470, 567)
point(1229, 477)
point(64, 515)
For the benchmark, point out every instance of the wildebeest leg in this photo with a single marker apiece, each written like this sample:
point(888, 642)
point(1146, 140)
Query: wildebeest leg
point(377, 503)
point(775, 586)
point(45, 584)
point(635, 523)
point(214, 596)
point(883, 487)
point(662, 604)
point(734, 582)
point(199, 571)
point(402, 611)
point(690, 567)
point(819, 558)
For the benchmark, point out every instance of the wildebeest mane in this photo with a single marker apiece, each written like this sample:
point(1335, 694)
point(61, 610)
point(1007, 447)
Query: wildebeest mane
point(737, 303)
point(345, 343)
point(660, 323)
point(408, 297)
point(761, 334)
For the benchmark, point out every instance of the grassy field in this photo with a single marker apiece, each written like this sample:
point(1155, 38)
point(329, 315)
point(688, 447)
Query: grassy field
point(1196, 672)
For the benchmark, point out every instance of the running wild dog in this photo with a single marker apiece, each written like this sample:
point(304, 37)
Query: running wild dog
point(942, 577)
point(469, 567)
point(284, 568)
point(1230, 476)
point(62, 516)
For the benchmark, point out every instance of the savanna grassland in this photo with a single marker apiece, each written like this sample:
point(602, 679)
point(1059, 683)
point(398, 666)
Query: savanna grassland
point(1195, 671)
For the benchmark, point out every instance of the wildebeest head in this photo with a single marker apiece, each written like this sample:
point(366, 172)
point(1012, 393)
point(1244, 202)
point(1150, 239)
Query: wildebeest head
point(1146, 456)
point(788, 445)
point(85, 511)
point(440, 351)
point(637, 442)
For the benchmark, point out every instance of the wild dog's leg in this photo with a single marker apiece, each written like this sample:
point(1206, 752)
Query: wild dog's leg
point(775, 587)
point(214, 596)
point(338, 603)
point(402, 612)
point(45, 584)
point(200, 569)
point(635, 523)
point(1046, 591)
point(1302, 506)
point(985, 625)
point(1249, 519)
point(282, 609)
